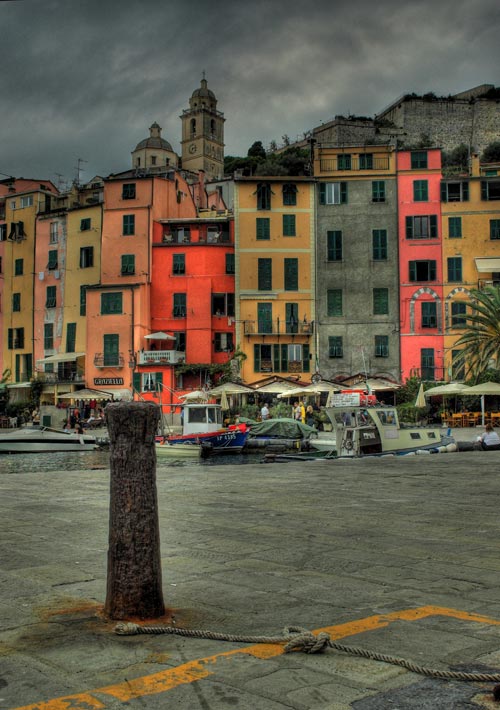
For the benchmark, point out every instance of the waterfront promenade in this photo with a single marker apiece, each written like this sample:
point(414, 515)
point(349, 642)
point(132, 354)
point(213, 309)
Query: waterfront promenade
point(400, 556)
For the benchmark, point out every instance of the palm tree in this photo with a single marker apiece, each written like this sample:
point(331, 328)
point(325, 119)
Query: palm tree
point(480, 342)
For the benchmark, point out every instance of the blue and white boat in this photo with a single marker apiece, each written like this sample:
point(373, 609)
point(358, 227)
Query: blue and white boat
point(203, 425)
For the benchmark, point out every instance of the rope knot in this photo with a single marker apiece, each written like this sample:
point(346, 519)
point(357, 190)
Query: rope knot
point(127, 629)
point(306, 641)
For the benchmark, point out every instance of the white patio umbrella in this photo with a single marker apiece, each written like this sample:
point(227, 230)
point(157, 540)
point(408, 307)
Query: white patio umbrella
point(449, 389)
point(223, 402)
point(317, 388)
point(194, 396)
point(484, 389)
point(86, 394)
point(160, 335)
point(230, 388)
point(420, 401)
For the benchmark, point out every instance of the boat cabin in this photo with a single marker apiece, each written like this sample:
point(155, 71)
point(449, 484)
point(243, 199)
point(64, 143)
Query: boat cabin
point(199, 418)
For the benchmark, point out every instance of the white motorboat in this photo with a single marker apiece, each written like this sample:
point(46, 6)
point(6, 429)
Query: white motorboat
point(187, 450)
point(40, 440)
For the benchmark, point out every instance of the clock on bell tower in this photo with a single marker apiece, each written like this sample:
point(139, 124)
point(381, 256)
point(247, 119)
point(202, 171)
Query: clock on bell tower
point(203, 134)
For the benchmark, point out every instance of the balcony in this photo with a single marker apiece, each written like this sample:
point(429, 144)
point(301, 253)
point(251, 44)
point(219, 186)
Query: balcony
point(114, 360)
point(278, 327)
point(160, 357)
point(174, 238)
point(56, 378)
point(334, 164)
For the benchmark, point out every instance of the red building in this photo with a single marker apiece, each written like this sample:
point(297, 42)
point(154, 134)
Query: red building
point(420, 264)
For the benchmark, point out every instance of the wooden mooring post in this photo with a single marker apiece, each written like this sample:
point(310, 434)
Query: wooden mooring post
point(134, 582)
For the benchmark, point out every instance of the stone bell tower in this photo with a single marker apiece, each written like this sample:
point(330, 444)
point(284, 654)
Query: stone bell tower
point(203, 134)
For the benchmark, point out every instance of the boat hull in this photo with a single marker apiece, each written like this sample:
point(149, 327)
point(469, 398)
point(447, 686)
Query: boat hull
point(227, 441)
point(185, 450)
point(39, 442)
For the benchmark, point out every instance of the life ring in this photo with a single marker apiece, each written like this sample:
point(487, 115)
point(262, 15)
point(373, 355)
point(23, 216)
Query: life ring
point(347, 444)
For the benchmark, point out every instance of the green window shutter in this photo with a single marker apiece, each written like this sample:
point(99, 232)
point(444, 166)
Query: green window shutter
point(70, 337)
point(52, 259)
point(433, 225)
point(379, 244)
point(289, 225)
point(263, 228)
point(409, 227)
point(444, 192)
point(159, 378)
point(334, 245)
point(16, 301)
point(18, 267)
point(136, 382)
point(465, 191)
point(265, 274)
point(179, 264)
point(334, 302)
point(380, 301)
point(50, 301)
point(378, 191)
point(291, 274)
point(265, 317)
point(283, 367)
point(180, 305)
point(322, 193)
point(454, 227)
point(10, 339)
point(128, 224)
point(292, 317)
point(128, 264)
point(276, 359)
point(343, 193)
point(20, 338)
point(28, 363)
point(230, 263)
point(111, 303)
point(111, 348)
point(306, 361)
point(48, 336)
point(256, 358)
point(83, 300)
point(484, 190)
point(432, 271)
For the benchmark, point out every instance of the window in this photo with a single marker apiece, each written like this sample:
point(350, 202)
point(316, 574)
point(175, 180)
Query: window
point(151, 381)
point(128, 191)
point(54, 232)
point(179, 264)
point(223, 304)
point(378, 191)
point(230, 264)
point(494, 228)
point(292, 317)
point(223, 342)
point(180, 305)
point(380, 301)
point(455, 227)
point(427, 363)
point(128, 224)
point(458, 314)
point(490, 190)
point(27, 201)
point(265, 317)
point(334, 302)
point(265, 274)
point(3, 232)
point(422, 227)
point(128, 264)
point(111, 350)
point(50, 297)
point(16, 302)
point(344, 161)
point(86, 257)
point(18, 267)
point(291, 274)
point(83, 300)
point(281, 358)
point(52, 264)
point(454, 268)
point(263, 196)
point(180, 341)
point(48, 336)
point(418, 159)
point(263, 228)
point(289, 225)
point(454, 191)
point(15, 338)
point(289, 194)
point(366, 161)
point(16, 231)
point(381, 346)
point(70, 337)
point(334, 245)
point(111, 302)
point(422, 270)
point(429, 314)
point(85, 224)
point(379, 244)
point(420, 190)
point(332, 193)
point(335, 346)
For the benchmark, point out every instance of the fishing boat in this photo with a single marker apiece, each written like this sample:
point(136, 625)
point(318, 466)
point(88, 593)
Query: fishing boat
point(202, 425)
point(44, 439)
point(364, 428)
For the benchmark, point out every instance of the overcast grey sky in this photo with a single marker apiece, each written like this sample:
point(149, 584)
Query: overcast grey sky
point(86, 78)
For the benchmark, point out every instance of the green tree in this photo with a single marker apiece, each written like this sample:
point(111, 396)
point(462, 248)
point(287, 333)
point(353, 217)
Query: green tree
point(480, 343)
point(491, 153)
point(257, 150)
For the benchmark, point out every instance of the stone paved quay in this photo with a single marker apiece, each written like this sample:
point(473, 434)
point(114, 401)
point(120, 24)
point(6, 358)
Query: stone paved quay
point(399, 556)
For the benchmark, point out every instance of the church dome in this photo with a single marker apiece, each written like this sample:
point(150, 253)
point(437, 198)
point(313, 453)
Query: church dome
point(155, 140)
point(203, 91)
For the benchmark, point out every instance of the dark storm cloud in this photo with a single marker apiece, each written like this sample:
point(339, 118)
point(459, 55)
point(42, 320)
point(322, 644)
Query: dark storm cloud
point(85, 79)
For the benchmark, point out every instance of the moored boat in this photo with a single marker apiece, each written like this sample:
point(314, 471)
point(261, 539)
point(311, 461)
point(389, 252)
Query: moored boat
point(44, 440)
point(203, 426)
point(185, 450)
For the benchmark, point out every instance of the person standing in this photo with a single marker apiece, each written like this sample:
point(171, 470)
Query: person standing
point(264, 412)
point(309, 415)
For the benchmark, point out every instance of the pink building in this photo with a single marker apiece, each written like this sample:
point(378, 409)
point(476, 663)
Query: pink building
point(420, 264)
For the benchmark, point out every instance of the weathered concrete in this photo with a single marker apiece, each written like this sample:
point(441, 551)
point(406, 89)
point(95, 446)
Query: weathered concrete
point(398, 556)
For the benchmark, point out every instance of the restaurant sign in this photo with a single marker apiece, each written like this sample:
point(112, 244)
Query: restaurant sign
point(108, 380)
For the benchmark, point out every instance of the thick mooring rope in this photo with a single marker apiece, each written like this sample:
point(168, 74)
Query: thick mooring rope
point(296, 638)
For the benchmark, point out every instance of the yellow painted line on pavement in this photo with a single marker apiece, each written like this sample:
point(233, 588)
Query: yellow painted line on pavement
point(203, 667)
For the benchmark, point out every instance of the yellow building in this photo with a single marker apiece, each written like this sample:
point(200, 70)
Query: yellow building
point(275, 282)
point(470, 208)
